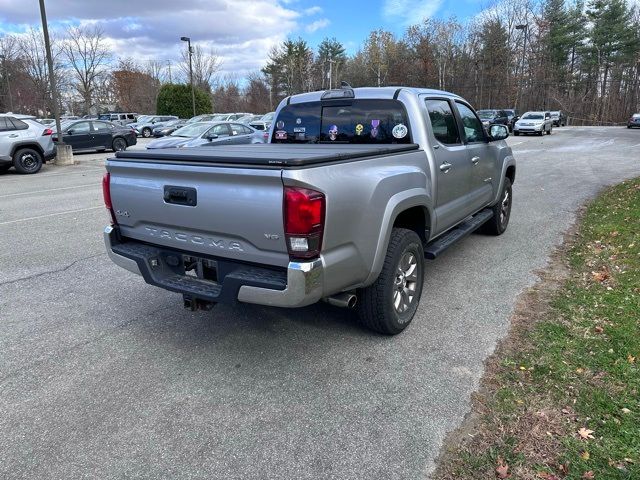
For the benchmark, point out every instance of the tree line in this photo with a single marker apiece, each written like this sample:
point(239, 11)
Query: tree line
point(579, 56)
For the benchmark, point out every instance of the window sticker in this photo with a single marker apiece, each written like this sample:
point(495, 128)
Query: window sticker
point(333, 132)
point(281, 135)
point(359, 129)
point(399, 131)
point(299, 129)
point(298, 121)
point(280, 124)
point(374, 128)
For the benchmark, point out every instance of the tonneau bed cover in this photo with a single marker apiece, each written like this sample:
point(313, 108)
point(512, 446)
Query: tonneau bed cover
point(280, 155)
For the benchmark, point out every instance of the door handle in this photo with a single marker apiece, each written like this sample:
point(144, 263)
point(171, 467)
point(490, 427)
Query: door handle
point(475, 160)
point(14, 135)
point(445, 167)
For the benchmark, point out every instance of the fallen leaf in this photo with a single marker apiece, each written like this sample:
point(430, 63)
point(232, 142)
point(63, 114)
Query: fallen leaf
point(631, 359)
point(564, 469)
point(585, 433)
point(502, 469)
point(629, 460)
point(600, 276)
point(585, 455)
point(599, 329)
point(547, 476)
point(626, 410)
point(589, 475)
point(579, 370)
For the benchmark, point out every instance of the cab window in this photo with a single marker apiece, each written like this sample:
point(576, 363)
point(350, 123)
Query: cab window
point(443, 122)
point(472, 126)
point(365, 121)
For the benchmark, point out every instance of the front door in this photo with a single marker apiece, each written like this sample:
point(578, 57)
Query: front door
point(480, 156)
point(452, 165)
point(79, 136)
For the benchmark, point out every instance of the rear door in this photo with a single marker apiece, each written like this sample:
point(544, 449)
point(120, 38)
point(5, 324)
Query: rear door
point(9, 135)
point(102, 135)
point(480, 157)
point(452, 164)
point(240, 134)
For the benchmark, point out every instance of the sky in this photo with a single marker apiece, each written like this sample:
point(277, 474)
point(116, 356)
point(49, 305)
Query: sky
point(241, 32)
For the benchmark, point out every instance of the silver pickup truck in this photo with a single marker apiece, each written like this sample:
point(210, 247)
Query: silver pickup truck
point(354, 190)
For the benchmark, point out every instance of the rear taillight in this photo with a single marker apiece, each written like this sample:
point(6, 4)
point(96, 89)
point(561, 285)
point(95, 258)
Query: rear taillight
point(304, 212)
point(106, 194)
point(47, 132)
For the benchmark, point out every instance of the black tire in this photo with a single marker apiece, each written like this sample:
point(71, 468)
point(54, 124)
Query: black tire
point(27, 161)
point(119, 144)
point(541, 132)
point(376, 304)
point(499, 223)
point(146, 132)
point(516, 133)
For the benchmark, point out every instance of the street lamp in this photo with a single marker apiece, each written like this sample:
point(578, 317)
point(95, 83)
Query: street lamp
point(6, 73)
point(525, 28)
point(193, 93)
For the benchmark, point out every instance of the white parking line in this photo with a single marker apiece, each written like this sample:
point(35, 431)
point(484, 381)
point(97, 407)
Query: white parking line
point(517, 143)
point(51, 215)
point(50, 190)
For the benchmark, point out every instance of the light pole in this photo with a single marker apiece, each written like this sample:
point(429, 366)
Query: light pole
point(6, 73)
point(52, 78)
point(331, 62)
point(193, 93)
point(525, 27)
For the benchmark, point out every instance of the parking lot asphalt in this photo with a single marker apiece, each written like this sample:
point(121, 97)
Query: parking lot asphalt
point(103, 376)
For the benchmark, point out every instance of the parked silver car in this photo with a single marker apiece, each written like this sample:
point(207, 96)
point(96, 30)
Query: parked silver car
point(146, 123)
point(538, 123)
point(24, 144)
point(264, 122)
point(209, 133)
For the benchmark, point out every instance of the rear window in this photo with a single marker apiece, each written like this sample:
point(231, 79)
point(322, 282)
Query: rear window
point(355, 121)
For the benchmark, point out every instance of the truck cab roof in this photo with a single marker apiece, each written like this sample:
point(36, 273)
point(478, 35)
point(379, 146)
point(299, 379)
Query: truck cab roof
point(371, 92)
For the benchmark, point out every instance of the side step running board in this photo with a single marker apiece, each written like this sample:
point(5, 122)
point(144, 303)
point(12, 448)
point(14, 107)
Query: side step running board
point(440, 244)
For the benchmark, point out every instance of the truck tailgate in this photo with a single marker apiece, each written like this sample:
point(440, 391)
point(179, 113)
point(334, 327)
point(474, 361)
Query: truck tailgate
point(234, 213)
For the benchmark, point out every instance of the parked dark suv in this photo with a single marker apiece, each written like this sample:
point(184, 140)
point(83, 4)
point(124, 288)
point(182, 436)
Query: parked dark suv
point(559, 119)
point(96, 135)
point(493, 117)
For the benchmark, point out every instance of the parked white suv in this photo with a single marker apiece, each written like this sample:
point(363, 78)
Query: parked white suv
point(24, 144)
point(534, 122)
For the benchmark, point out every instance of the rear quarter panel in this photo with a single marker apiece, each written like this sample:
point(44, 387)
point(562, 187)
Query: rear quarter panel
point(363, 199)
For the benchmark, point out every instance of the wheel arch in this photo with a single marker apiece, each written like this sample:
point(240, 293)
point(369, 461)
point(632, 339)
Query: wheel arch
point(411, 209)
point(20, 145)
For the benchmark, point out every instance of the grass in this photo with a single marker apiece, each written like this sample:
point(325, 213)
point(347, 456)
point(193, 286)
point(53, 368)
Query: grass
point(571, 362)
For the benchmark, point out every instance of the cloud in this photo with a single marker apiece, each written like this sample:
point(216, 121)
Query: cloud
point(313, 10)
point(317, 25)
point(410, 11)
point(240, 31)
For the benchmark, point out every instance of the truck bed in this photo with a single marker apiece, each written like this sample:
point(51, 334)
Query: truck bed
point(265, 155)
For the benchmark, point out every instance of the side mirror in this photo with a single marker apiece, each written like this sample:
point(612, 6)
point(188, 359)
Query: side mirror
point(212, 136)
point(498, 132)
point(68, 132)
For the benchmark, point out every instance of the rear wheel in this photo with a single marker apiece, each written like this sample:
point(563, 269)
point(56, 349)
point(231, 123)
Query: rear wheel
point(146, 132)
point(119, 144)
point(497, 224)
point(390, 303)
point(27, 160)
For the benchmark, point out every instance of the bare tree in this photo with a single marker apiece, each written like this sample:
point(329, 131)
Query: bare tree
point(33, 60)
point(205, 67)
point(87, 56)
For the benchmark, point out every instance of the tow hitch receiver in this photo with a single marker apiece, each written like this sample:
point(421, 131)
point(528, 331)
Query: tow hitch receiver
point(195, 304)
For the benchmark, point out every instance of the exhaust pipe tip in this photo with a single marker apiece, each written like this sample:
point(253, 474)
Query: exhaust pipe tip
point(342, 300)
